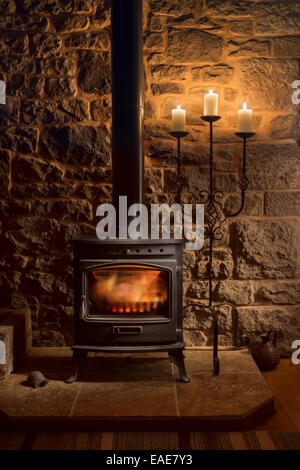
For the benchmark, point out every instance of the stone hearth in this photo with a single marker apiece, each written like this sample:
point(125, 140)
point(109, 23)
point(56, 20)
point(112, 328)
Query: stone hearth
point(119, 392)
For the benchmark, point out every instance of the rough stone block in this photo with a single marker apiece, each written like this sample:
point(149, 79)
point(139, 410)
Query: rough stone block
point(257, 321)
point(19, 139)
point(230, 7)
point(153, 180)
point(214, 25)
point(277, 16)
point(11, 43)
point(95, 194)
point(8, 6)
point(213, 74)
point(194, 338)
point(39, 113)
point(95, 174)
point(24, 23)
point(26, 235)
point(60, 87)
point(198, 327)
point(285, 127)
point(262, 159)
point(230, 94)
point(70, 231)
point(227, 182)
point(98, 40)
point(101, 110)
point(162, 153)
point(195, 180)
point(101, 18)
point(188, 259)
point(9, 112)
point(166, 88)
point(66, 23)
point(198, 46)
point(251, 48)
point(94, 73)
point(46, 6)
point(69, 209)
point(154, 41)
point(169, 72)
point(253, 204)
point(287, 46)
point(87, 145)
point(198, 290)
point(176, 7)
point(241, 26)
point(187, 20)
point(60, 66)
point(37, 190)
point(265, 249)
point(150, 110)
point(48, 338)
point(45, 45)
point(156, 23)
point(279, 74)
point(30, 169)
point(25, 86)
point(222, 264)
point(277, 292)
point(4, 173)
point(283, 203)
point(17, 64)
point(236, 292)
point(153, 132)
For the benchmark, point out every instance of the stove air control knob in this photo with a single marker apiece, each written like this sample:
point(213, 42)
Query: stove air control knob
point(128, 251)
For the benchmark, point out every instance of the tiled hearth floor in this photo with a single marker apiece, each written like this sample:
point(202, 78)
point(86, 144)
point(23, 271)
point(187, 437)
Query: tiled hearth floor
point(128, 392)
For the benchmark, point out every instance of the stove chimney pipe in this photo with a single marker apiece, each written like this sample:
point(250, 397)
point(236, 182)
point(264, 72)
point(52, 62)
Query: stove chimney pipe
point(127, 100)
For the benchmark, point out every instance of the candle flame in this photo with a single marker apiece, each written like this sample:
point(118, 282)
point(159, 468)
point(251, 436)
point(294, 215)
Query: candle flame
point(178, 107)
point(244, 106)
point(211, 92)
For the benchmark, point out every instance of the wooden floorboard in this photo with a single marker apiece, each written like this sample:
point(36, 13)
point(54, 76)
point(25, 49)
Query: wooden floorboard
point(284, 382)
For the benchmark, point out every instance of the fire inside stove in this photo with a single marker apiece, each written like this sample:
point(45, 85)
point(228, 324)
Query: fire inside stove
point(128, 290)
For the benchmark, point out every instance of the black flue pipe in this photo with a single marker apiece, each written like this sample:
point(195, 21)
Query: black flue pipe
point(127, 100)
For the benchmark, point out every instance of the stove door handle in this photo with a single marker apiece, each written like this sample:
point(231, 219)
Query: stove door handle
point(83, 310)
point(127, 330)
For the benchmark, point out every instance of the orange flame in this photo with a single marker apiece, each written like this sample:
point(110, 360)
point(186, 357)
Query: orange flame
point(128, 290)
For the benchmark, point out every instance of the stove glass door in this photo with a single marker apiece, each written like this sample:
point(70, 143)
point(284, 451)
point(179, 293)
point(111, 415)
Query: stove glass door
point(128, 291)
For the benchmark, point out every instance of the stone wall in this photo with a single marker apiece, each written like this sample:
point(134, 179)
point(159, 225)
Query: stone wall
point(55, 151)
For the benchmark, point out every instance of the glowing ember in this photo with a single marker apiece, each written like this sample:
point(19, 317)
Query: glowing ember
point(126, 289)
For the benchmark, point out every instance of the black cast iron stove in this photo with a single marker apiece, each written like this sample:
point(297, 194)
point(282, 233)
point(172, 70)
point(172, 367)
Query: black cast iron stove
point(128, 293)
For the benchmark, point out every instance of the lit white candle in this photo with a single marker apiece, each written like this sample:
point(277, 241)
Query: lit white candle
point(245, 119)
point(178, 119)
point(211, 104)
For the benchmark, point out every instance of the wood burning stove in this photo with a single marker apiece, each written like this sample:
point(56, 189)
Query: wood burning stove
point(128, 293)
point(128, 298)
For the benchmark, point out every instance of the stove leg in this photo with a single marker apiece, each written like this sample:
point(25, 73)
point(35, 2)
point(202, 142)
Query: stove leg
point(177, 358)
point(77, 360)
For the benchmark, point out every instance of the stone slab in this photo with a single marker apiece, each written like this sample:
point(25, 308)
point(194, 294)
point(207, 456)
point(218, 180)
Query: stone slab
point(137, 392)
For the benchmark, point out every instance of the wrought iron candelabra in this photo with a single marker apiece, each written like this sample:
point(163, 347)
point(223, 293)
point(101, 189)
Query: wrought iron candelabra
point(214, 219)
